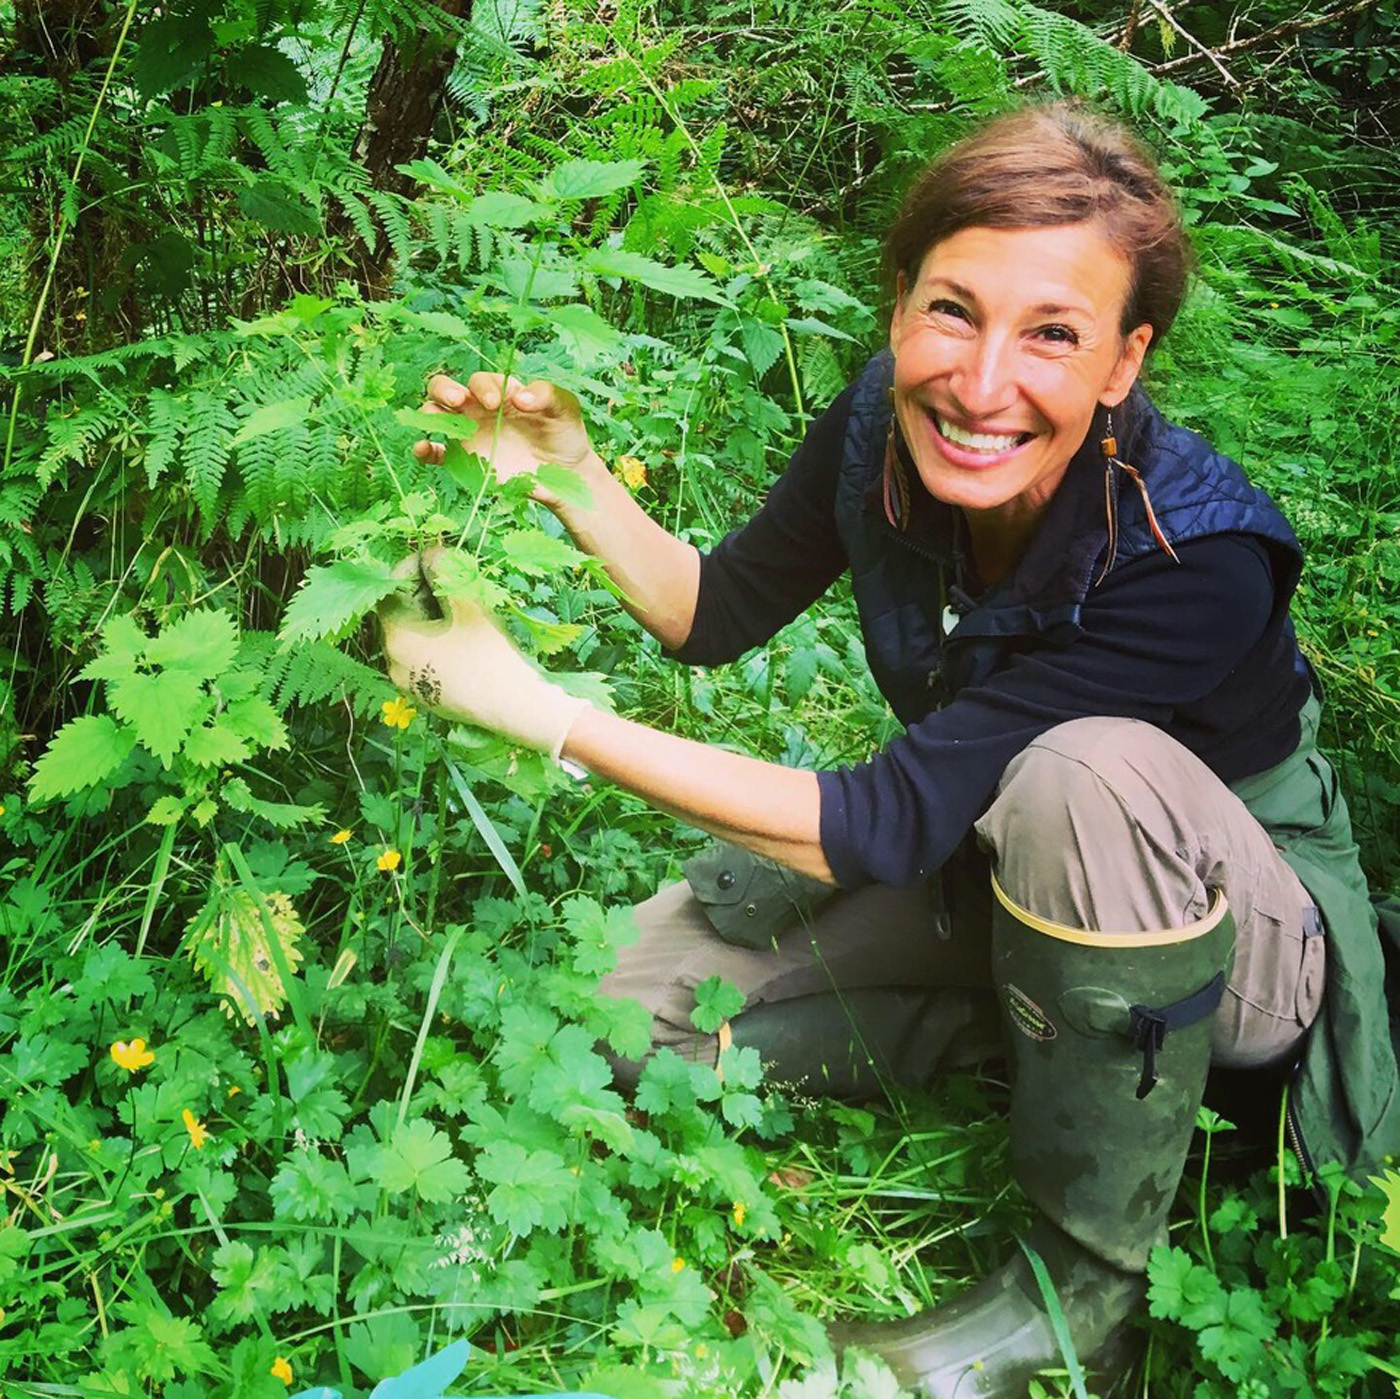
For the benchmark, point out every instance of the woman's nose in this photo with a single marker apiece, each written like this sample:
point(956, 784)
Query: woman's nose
point(985, 381)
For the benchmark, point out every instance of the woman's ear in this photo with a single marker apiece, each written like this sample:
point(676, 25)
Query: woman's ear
point(1129, 366)
point(901, 291)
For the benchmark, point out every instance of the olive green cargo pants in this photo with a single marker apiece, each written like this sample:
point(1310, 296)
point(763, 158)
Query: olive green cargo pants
point(1104, 824)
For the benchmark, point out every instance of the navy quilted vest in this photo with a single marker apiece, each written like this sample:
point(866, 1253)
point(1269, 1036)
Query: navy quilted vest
point(925, 639)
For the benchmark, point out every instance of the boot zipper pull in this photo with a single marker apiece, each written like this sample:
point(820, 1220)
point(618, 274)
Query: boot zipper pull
point(1148, 1029)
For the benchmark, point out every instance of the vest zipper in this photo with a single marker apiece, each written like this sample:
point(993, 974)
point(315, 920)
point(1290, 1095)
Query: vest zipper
point(1299, 1147)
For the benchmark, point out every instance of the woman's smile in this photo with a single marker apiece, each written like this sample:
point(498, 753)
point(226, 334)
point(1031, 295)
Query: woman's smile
point(975, 448)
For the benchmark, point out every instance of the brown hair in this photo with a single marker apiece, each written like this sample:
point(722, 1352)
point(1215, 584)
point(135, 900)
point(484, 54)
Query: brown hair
point(1054, 163)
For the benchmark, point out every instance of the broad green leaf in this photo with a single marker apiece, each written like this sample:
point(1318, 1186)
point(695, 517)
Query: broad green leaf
point(256, 719)
point(161, 706)
point(214, 745)
point(532, 1188)
point(333, 597)
point(715, 1001)
point(228, 943)
point(383, 1346)
point(536, 554)
point(268, 72)
point(123, 647)
point(172, 50)
point(165, 811)
point(248, 1283)
point(584, 334)
point(501, 209)
point(272, 417)
point(430, 173)
point(285, 816)
point(567, 484)
point(419, 1158)
point(633, 267)
point(202, 644)
point(590, 179)
point(280, 208)
point(456, 427)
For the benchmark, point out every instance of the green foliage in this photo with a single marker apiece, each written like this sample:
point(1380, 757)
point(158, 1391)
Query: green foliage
point(366, 958)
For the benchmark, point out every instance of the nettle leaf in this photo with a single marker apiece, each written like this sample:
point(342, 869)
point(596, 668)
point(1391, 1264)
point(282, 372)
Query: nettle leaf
point(231, 949)
point(268, 72)
point(590, 179)
point(585, 336)
point(280, 208)
point(215, 744)
point(273, 417)
point(334, 596)
point(501, 209)
point(532, 1188)
point(567, 484)
point(633, 267)
point(285, 816)
point(123, 649)
point(419, 1158)
point(161, 706)
point(83, 753)
point(256, 719)
point(537, 554)
point(715, 1002)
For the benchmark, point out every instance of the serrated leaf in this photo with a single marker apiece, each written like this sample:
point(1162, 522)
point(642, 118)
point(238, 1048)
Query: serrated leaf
point(334, 596)
point(454, 426)
point(228, 943)
point(590, 179)
point(268, 72)
point(429, 172)
point(501, 209)
point(419, 1158)
point(272, 417)
point(280, 208)
point(165, 811)
point(566, 484)
point(123, 647)
point(256, 719)
point(633, 267)
point(531, 1187)
point(285, 816)
point(83, 753)
point(584, 334)
point(161, 706)
point(537, 554)
point(202, 644)
point(715, 1001)
point(213, 745)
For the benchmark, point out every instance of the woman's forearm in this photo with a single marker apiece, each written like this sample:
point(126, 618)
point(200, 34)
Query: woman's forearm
point(764, 807)
point(659, 575)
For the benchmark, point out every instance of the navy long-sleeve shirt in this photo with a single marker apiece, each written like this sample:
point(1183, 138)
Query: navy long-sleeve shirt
point(1158, 637)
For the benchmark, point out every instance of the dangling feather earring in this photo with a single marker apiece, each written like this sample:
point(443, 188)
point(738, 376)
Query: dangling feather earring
point(1108, 445)
point(895, 484)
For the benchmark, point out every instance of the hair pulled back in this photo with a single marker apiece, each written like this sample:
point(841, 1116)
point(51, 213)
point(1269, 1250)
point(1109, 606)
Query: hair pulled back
point(1054, 163)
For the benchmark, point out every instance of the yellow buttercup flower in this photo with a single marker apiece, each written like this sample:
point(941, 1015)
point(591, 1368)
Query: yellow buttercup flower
point(340, 837)
point(677, 1265)
point(282, 1368)
point(739, 1213)
point(389, 860)
point(398, 713)
point(132, 1056)
point(633, 471)
point(199, 1133)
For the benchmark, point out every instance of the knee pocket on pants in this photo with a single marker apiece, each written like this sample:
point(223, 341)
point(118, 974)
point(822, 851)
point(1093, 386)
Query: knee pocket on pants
point(1280, 972)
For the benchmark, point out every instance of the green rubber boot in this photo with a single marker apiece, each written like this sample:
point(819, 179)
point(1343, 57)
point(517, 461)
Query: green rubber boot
point(1110, 1042)
point(859, 1044)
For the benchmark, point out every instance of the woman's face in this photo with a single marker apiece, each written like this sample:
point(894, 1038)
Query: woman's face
point(1004, 347)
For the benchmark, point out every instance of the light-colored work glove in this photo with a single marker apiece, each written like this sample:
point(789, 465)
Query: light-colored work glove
point(463, 667)
point(539, 423)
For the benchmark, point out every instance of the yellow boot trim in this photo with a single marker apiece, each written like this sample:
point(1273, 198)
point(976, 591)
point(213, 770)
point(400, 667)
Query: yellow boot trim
point(1155, 937)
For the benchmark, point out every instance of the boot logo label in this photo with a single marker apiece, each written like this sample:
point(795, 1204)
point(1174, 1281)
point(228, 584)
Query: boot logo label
point(1028, 1017)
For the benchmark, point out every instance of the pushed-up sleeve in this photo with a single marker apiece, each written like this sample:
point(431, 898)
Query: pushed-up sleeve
point(770, 570)
point(1157, 636)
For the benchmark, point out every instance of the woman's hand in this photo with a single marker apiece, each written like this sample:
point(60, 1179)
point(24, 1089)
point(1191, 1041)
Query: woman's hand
point(462, 666)
point(540, 423)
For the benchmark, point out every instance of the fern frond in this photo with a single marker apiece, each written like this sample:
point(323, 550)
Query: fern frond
point(205, 449)
point(308, 674)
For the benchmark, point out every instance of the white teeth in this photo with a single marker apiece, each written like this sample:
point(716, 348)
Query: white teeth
point(978, 441)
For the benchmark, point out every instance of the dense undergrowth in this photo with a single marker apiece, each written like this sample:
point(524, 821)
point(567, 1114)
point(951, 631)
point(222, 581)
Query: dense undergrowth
point(300, 1060)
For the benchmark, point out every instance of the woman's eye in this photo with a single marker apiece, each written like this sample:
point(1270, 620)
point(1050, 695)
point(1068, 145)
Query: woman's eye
point(1058, 335)
point(939, 307)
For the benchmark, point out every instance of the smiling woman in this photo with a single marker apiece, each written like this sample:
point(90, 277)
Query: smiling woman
point(1106, 845)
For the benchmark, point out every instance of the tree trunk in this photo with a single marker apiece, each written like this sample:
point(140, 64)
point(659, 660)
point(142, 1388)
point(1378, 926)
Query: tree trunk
point(401, 108)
